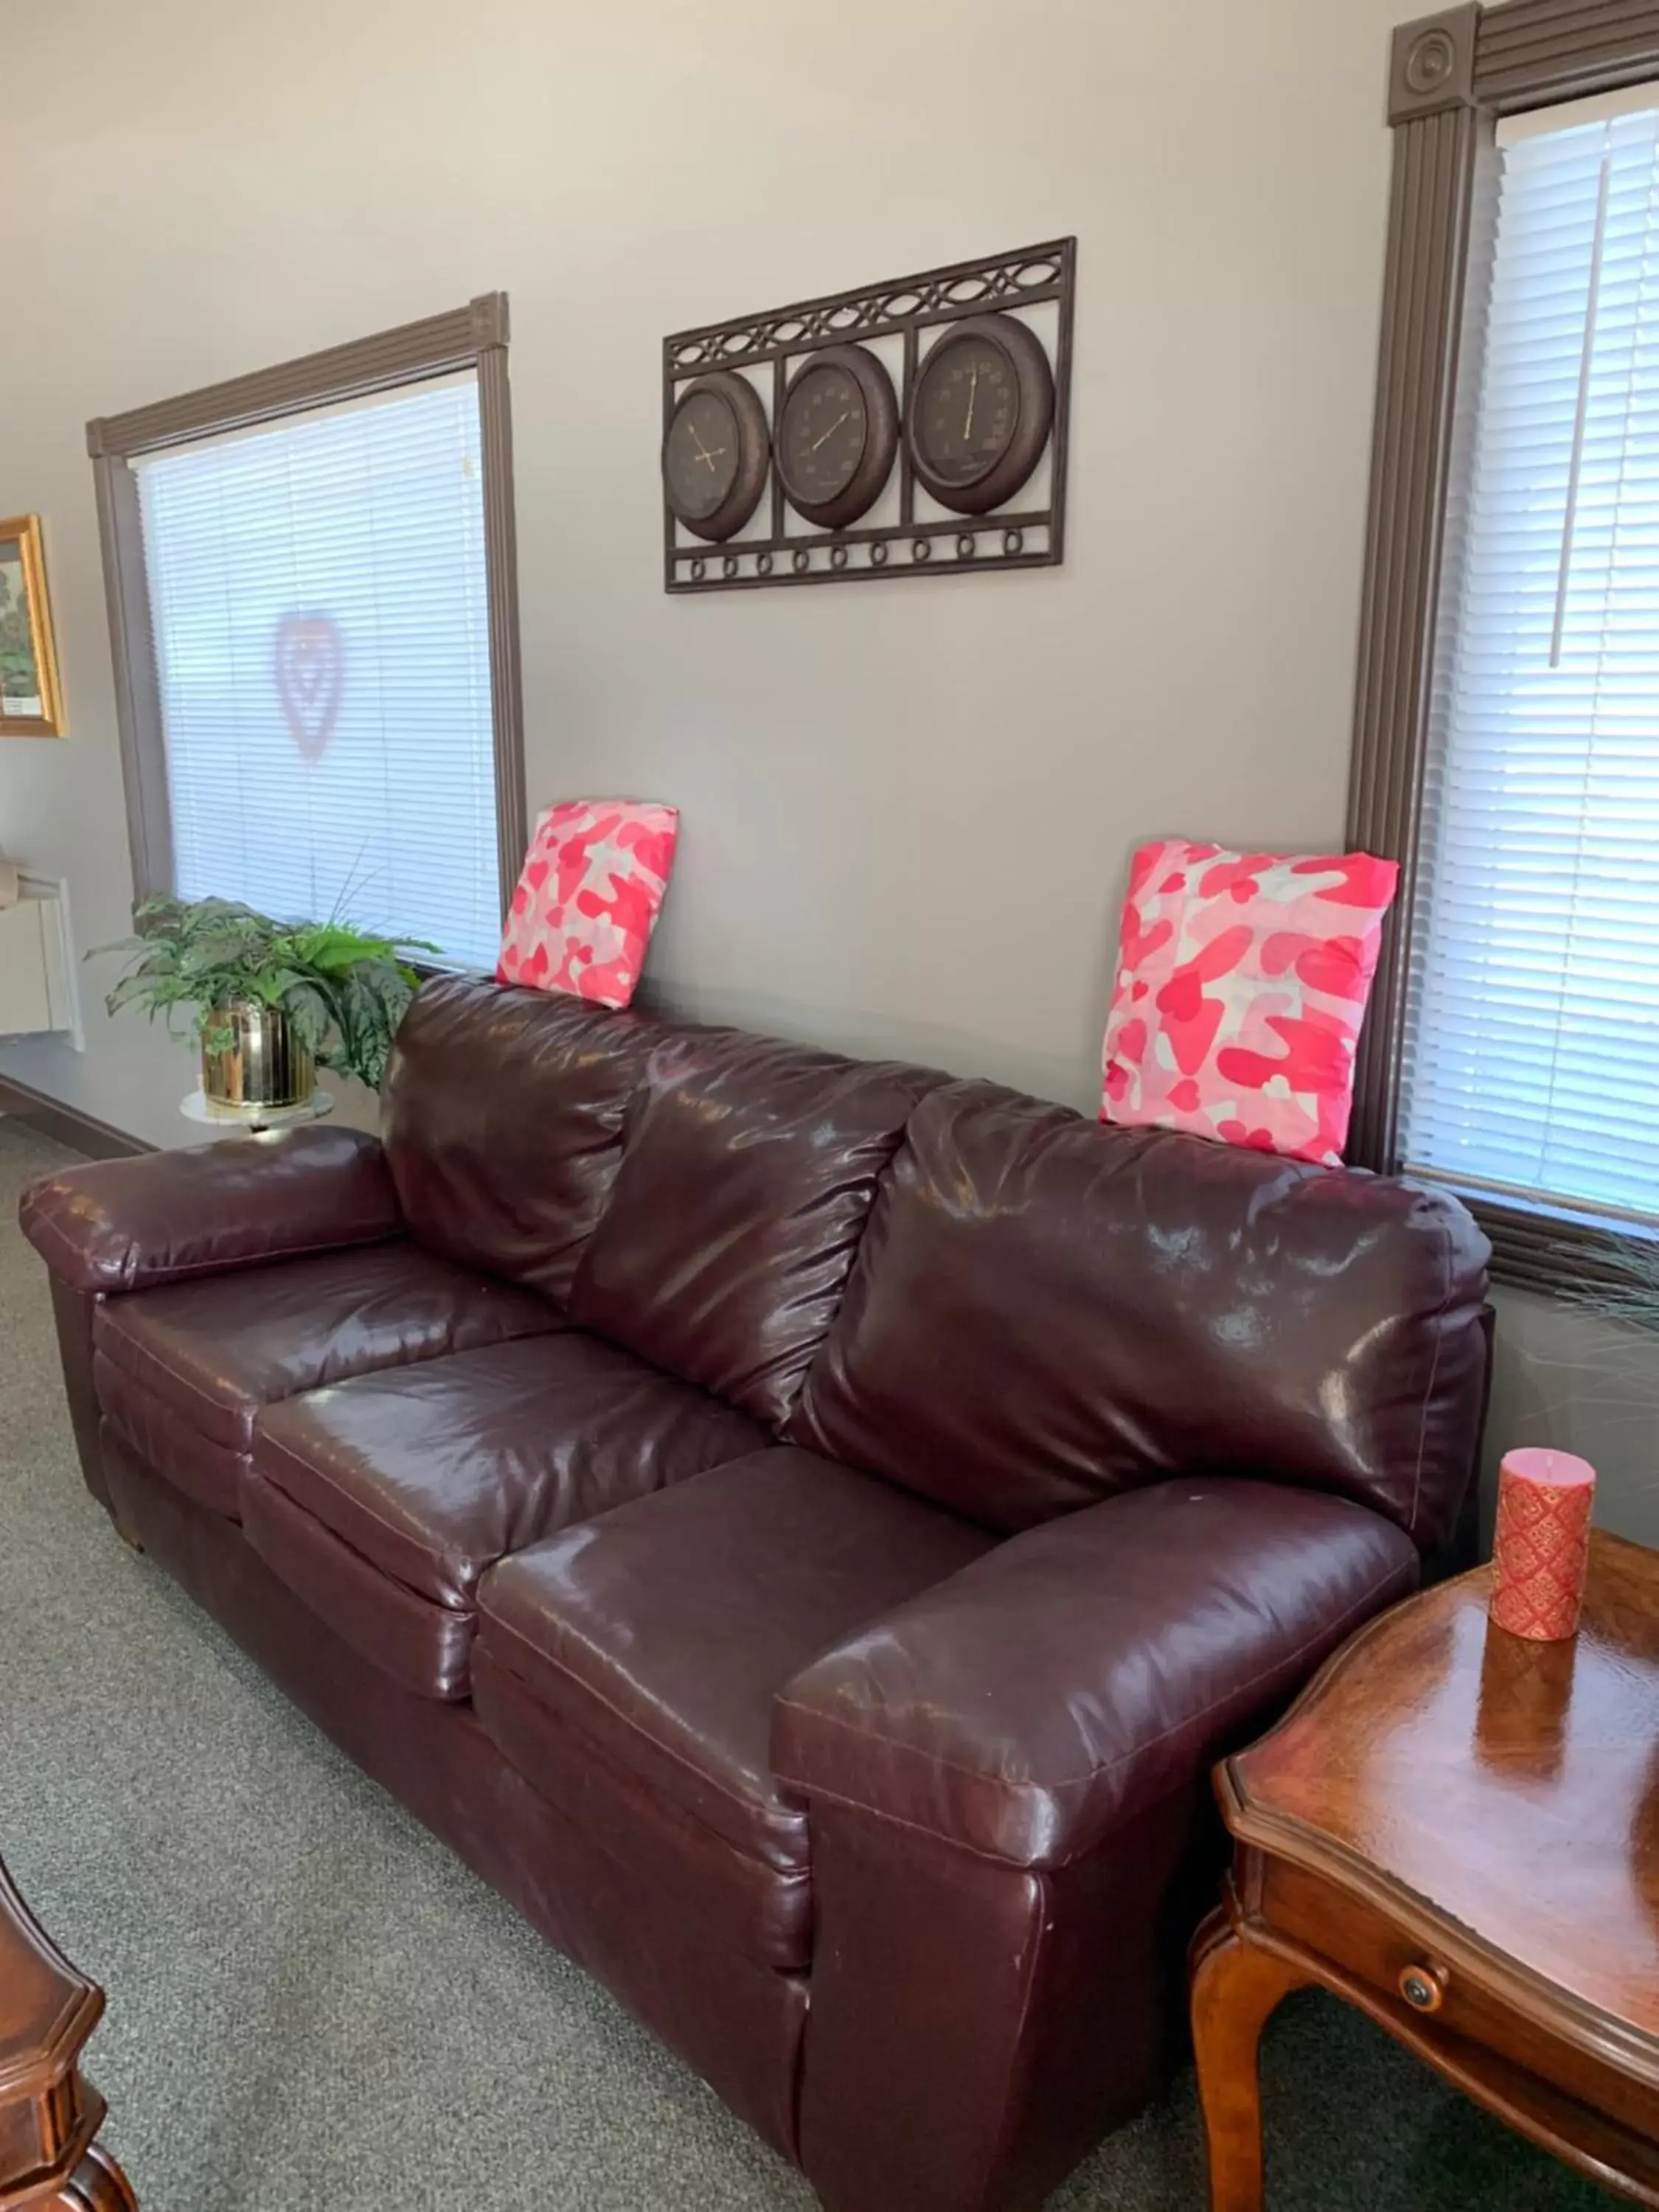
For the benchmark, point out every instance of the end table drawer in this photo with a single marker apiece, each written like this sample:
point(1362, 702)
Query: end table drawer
point(1420, 1989)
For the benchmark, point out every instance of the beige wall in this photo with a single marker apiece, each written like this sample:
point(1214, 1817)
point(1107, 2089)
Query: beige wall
point(907, 806)
point(1565, 1378)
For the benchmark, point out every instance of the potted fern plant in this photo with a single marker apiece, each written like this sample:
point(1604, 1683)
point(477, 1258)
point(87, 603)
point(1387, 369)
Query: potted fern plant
point(271, 1001)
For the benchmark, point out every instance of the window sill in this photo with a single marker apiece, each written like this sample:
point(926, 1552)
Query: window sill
point(1575, 1255)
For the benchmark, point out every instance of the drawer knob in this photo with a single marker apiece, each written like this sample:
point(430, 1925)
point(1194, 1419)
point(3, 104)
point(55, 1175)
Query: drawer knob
point(1424, 1988)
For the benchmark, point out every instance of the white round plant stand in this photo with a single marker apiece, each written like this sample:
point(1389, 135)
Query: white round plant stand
point(197, 1108)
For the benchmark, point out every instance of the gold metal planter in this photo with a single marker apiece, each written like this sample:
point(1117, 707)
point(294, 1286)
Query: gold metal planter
point(263, 1070)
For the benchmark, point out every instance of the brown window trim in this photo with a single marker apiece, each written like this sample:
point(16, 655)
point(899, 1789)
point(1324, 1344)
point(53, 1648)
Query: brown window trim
point(1451, 76)
point(474, 336)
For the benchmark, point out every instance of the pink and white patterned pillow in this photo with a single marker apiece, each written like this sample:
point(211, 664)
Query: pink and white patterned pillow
point(588, 899)
point(1241, 986)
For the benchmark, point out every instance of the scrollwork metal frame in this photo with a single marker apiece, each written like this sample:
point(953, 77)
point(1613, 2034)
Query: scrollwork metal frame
point(906, 307)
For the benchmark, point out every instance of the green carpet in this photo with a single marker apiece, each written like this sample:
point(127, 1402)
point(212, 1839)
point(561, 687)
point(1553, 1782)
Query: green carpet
point(312, 2003)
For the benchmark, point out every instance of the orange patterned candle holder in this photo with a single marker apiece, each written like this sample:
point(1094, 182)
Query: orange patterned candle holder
point(1541, 1548)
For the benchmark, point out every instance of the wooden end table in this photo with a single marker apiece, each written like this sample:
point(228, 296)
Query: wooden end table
point(50, 2114)
point(1457, 1831)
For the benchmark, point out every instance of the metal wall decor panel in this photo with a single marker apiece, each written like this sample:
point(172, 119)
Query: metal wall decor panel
point(916, 539)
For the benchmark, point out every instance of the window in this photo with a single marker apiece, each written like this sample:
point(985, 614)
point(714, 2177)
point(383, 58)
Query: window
point(312, 593)
point(1506, 710)
point(1531, 1062)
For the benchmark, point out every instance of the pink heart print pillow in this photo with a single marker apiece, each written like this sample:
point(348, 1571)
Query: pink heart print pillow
point(588, 897)
point(1241, 987)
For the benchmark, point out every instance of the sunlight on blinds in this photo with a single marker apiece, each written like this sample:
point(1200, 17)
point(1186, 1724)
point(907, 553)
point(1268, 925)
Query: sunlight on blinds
point(318, 594)
point(1532, 1046)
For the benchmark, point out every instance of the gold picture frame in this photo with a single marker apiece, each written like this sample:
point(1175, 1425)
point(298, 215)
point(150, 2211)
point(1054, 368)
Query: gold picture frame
point(31, 698)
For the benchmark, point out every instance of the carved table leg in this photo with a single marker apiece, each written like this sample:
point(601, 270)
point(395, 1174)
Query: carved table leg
point(1235, 1988)
point(50, 2114)
point(98, 2185)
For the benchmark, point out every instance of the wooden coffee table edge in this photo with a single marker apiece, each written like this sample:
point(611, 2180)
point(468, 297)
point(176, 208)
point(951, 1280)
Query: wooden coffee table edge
point(1240, 1971)
point(48, 2108)
point(81, 2008)
point(1306, 1905)
point(1554, 2010)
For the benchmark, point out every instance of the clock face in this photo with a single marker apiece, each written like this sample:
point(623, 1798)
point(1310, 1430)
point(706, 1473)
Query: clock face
point(837, 435)
point(966, 409)
point(701, 460)
point(980, 412)
point(825, 429)
point(715, 455)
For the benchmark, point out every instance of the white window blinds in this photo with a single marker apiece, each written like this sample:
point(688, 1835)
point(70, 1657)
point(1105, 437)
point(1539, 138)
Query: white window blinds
point(319, 593)
point(1532, 1041)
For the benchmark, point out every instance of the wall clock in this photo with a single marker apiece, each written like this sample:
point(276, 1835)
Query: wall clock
point(715, 453)
point(915, 427)
point(980, 410)
point(837, 435)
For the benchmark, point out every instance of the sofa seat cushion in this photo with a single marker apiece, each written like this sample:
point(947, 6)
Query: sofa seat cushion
point(166, 1439)
point(662, 1633)
point(735, 1901)
point(194, 1362)
point(219, 1350)
point(382, 1500)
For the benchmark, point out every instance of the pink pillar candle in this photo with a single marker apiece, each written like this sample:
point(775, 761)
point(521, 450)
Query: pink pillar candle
point(1542, 1545)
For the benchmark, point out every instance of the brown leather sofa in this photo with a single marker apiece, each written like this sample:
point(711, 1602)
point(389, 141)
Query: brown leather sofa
point(803, 1529)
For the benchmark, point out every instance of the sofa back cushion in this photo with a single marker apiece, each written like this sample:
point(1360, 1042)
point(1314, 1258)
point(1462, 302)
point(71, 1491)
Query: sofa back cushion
point(748, 1172)
point(502, 1120)
point(1046, 1312)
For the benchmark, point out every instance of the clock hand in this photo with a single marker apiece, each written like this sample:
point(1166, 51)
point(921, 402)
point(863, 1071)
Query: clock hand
point(703, 453)
point(831, 431)
point(973, 390)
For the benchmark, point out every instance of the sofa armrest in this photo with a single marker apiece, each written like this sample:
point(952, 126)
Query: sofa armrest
point(1030, 1705)
point(126, 1225)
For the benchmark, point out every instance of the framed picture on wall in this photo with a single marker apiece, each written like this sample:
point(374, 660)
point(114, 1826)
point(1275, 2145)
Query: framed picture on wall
point(31, 703)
